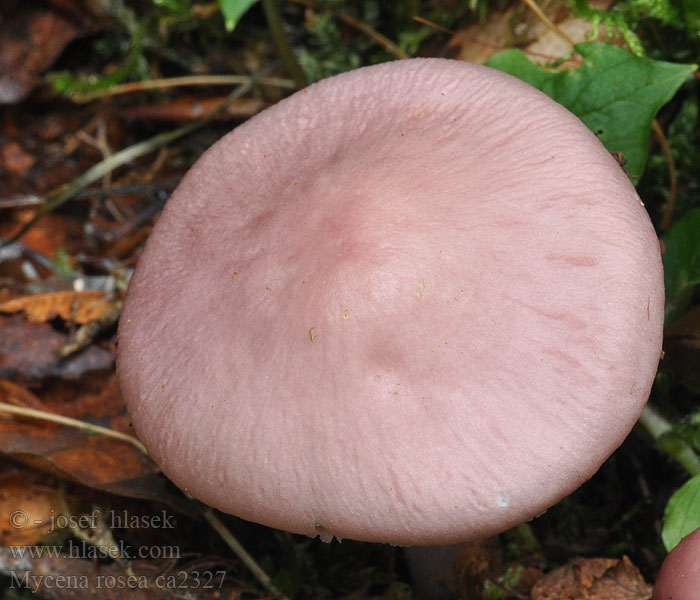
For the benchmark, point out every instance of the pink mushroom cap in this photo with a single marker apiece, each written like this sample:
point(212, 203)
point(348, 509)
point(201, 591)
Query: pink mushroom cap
point(679, 577)
point(415, 303)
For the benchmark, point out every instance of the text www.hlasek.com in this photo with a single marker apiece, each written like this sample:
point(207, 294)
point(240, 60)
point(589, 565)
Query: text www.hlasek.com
point(117, 551)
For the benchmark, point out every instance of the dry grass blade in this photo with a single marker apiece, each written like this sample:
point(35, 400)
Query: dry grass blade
point(672, 178)
point(548, 22)
point(190, 80)
point(242, 553)
point(33, 413)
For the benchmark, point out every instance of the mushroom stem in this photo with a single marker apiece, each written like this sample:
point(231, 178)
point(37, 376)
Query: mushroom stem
point(656, 425)
point(284, 48)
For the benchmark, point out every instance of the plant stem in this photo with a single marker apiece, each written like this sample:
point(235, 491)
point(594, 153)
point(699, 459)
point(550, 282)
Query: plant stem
point(241, 553)
point(361, 26)
point(548, 22)
point(657, 426)
point(33, 413)
point(62, 194)
point(153, 84)
point(284, 48)
point(672, 178)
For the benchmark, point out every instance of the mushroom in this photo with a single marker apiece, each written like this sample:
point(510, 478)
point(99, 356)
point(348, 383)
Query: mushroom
point(415, 303)
point(679, 577)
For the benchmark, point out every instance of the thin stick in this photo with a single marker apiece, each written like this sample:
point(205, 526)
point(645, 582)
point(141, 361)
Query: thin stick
point(284, 48)
point(209, 515)
point(546, 20)
point(672, 179)
point(442, 29)
point(656, 425)
point(61, 195)
point(372, 33)
point(20, 201)
point(241, 552)
point(33, 413)
point(159, 84)
point(361, 26)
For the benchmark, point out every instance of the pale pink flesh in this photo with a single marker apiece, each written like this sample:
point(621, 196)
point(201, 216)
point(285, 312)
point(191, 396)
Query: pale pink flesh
point(679, 577)
point(415, 303)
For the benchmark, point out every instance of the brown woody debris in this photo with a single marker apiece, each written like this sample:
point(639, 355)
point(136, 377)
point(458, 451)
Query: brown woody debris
point(593, 579)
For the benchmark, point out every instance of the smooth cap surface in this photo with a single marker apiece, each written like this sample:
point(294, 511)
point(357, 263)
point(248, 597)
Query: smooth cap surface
point(679, 577)
point(415, 303)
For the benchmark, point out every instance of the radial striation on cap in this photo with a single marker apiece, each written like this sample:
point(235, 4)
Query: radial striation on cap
point(416, 303)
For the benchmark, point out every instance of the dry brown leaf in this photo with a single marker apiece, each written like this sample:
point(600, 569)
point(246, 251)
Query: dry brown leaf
point(477, 562)
point(593, 579)
point(74, 307)
point(74, 578)
point(29, 43)
point(480, 562)
point(519, 27)
point(51, 233)
point(191, 108)
point(26, 508)
point(527, 578)
point(15, 160)
point(96, 461)
point(32, 350)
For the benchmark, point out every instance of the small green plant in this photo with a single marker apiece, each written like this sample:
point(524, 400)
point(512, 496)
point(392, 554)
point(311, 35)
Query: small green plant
point(618, 94)
point(500, 588)
point(233, 10)
point(615, 93)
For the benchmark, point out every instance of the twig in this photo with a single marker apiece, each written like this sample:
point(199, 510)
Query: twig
point(15, 249)
point(100, 143)
point(361, 26)
point(438, 27)
point(656, 425)
point(61, 195)
point(86, 334)
point(238, 549)
point(209, 515)
point(672, 179)
point(21, 201)
point(284, 48)
point(97, 534)
point(33, 413)
point(548, 22)
point(159, 84)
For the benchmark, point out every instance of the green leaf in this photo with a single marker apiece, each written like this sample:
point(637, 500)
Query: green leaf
point(691, 9)
point(233, 10)
point(616, 94)
point(175, 6)
point(682, 514)
point(686, 432)
point(682, 263)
